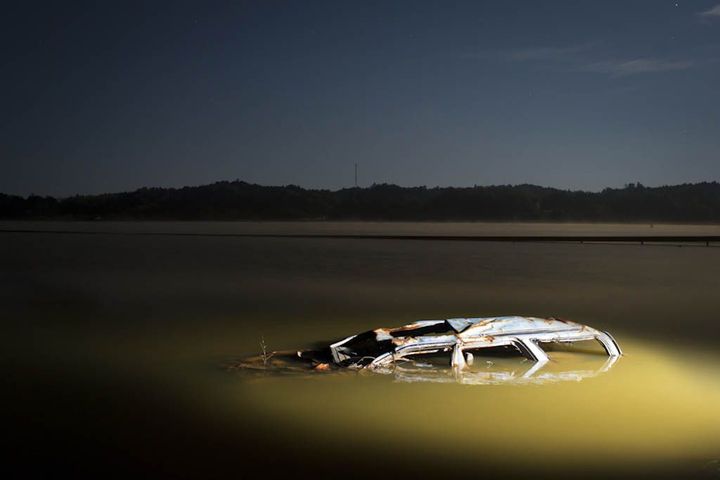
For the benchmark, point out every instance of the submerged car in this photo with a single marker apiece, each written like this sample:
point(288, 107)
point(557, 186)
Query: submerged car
point(503, 349)
point(463, 338)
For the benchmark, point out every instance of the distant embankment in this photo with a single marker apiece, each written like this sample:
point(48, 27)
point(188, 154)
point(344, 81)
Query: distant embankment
point(699, 202)
point(672, 240)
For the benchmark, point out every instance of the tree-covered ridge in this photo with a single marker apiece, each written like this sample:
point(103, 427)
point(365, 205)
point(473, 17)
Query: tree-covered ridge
point(244, 201)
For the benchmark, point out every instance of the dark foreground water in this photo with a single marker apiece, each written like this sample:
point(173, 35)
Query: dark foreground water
point(114, 349)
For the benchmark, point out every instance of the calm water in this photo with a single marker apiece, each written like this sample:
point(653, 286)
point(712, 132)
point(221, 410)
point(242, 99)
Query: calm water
point(115, 347)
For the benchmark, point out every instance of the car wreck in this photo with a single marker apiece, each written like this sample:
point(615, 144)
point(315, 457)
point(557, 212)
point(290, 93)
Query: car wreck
point(445, 350)
point(463, 337)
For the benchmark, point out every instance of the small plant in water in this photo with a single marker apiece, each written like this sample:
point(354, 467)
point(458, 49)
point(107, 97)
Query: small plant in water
point(264, 355)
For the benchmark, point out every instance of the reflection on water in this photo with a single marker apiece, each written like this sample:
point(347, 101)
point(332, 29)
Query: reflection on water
point(498, 372)
point(486, 367)
point(657, 404)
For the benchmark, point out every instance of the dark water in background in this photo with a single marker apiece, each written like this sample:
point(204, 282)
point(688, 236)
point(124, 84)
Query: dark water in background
point(114, 346)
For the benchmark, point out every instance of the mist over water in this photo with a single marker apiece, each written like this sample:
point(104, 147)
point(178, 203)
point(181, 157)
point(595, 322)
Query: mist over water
point(115, 349)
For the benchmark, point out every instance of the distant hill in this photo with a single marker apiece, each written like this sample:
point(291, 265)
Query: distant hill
point(699, 202)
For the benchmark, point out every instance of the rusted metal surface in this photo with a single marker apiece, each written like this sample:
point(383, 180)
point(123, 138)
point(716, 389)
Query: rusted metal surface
point(383, 346)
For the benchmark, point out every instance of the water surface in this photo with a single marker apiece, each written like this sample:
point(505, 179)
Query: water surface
point(115, 347)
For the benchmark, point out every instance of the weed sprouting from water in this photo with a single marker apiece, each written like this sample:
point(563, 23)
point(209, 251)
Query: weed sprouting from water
point(264, 354)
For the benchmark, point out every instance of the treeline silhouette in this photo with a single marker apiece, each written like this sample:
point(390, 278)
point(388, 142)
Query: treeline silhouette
point(239, 200)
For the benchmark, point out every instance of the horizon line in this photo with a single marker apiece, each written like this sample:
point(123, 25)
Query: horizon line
point(359, 187)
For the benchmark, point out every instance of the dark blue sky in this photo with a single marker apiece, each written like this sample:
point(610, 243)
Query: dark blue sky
point(109, 96)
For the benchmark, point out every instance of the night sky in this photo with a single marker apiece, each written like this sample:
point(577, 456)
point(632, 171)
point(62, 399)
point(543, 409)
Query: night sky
point(115, 95)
